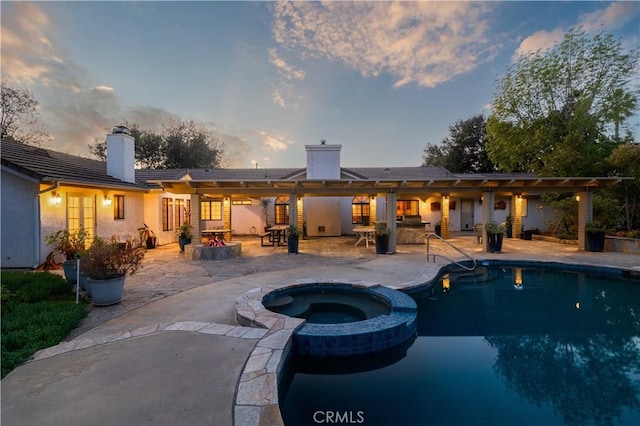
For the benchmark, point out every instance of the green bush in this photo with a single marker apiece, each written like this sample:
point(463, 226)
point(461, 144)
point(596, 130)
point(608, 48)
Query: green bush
point(38, 311)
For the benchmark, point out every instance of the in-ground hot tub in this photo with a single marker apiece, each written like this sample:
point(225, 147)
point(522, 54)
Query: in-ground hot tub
point(344, 319)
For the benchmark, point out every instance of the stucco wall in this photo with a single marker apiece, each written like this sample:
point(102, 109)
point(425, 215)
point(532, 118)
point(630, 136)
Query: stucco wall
point(245, 219)
point(19, 221)
point(54, 217)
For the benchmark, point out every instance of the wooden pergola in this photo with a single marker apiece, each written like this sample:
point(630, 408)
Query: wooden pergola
point(487, 186)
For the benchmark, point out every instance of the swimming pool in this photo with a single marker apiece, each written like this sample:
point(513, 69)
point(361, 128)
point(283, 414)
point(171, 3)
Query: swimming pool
point(501, 345)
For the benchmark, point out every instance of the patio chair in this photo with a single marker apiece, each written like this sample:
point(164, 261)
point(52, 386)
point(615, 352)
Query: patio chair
point(478, 228)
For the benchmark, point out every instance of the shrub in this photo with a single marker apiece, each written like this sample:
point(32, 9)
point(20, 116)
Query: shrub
point(109, 259)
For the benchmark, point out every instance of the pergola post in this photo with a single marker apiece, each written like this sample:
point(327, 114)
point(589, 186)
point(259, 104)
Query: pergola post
point(391, 221)
point(516, 215)
point(226, 215)
point(293, 210)
point(195, 217)
point(487, 216)
point(444, 222)
point(585, 215)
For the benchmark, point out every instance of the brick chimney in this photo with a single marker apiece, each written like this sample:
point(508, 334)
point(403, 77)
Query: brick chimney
point(121, 155)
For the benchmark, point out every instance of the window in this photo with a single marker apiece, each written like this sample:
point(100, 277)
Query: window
point(360, 210)
point(211, 210)
point(187, 213)
point(179, 207)
point(167, 214)
point(241, 202)
point(118, 206)
point(282, 210)
point(407, 207)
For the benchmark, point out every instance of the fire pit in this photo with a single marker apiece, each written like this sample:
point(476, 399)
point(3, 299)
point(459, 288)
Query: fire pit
point(202, 252)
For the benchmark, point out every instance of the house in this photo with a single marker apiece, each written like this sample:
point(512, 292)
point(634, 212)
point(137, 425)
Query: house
point(44, 191)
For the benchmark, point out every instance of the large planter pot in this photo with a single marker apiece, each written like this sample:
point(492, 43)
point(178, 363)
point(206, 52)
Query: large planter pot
point(292, 244)
point(106, 292)
point(382, 244)
point(595, 240)
point(183, 241)
point(509, 231)
point(84, 284)
point(70, 271)
point(151, 242)
point(494, 242)
point(438, 229)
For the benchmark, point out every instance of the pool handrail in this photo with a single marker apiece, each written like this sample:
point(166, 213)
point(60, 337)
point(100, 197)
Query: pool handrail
point(432, 234)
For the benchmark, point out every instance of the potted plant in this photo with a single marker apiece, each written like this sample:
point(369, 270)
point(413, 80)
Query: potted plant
point(382, 238)
point(265, 203)
point(106, 264)
point(508, 229)
point(595, 234)
point(68, 244)
point(147, 236)
point(495, 234)
point(438, 228)
point(293, 234)
point(184, 235)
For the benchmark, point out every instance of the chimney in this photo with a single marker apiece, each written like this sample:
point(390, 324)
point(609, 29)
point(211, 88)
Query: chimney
point(121, 154)
point(323, 161)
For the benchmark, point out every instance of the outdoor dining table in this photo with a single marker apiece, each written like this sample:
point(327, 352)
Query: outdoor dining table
point(365, 233)
point(213, 233)
point(278, 233)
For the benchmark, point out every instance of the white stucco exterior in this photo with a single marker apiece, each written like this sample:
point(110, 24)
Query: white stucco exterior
point(20, 220)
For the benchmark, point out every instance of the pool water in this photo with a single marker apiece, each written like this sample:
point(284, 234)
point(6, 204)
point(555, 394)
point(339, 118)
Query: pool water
point(497, 346)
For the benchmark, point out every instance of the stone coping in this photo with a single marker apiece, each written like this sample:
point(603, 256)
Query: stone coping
point(359, 337)
point(257, 395)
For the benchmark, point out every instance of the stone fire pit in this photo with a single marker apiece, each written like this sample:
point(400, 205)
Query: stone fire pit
point(199, 252)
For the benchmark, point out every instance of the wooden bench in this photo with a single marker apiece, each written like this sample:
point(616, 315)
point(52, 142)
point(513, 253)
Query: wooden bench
point(271, 240)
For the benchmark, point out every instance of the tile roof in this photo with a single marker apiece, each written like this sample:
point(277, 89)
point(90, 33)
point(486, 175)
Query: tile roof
point(48, 165)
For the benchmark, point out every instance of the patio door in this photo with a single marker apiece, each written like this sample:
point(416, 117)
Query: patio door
point(81, 214)
point(466, 214)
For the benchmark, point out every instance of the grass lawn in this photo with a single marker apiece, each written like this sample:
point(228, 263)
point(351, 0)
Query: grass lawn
point(38, 311)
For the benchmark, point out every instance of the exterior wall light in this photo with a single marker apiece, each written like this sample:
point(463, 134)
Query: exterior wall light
point(107, 201)
point(56, 198)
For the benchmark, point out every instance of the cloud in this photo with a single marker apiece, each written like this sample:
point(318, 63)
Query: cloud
point(105, 88)
point(75, 112)
point(415, 42)
point(538, 41)
point(273, 142)
point(613, 16)
point(287, 71)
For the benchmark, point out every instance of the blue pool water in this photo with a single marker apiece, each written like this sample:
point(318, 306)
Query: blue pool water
point(499, 346)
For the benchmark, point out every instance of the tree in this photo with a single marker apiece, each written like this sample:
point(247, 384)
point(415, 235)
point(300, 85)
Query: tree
point(625, 160)
point(463, 151)
point(19, 116)
point(181, 144)
point(190, 145)
point(552, 109)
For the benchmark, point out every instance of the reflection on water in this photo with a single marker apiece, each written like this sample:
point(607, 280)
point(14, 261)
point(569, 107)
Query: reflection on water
point(508, 346)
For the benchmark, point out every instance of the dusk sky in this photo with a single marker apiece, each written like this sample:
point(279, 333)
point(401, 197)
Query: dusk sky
point(382, 79)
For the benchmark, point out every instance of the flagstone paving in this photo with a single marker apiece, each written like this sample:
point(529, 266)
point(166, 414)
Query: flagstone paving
point(172, 297)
